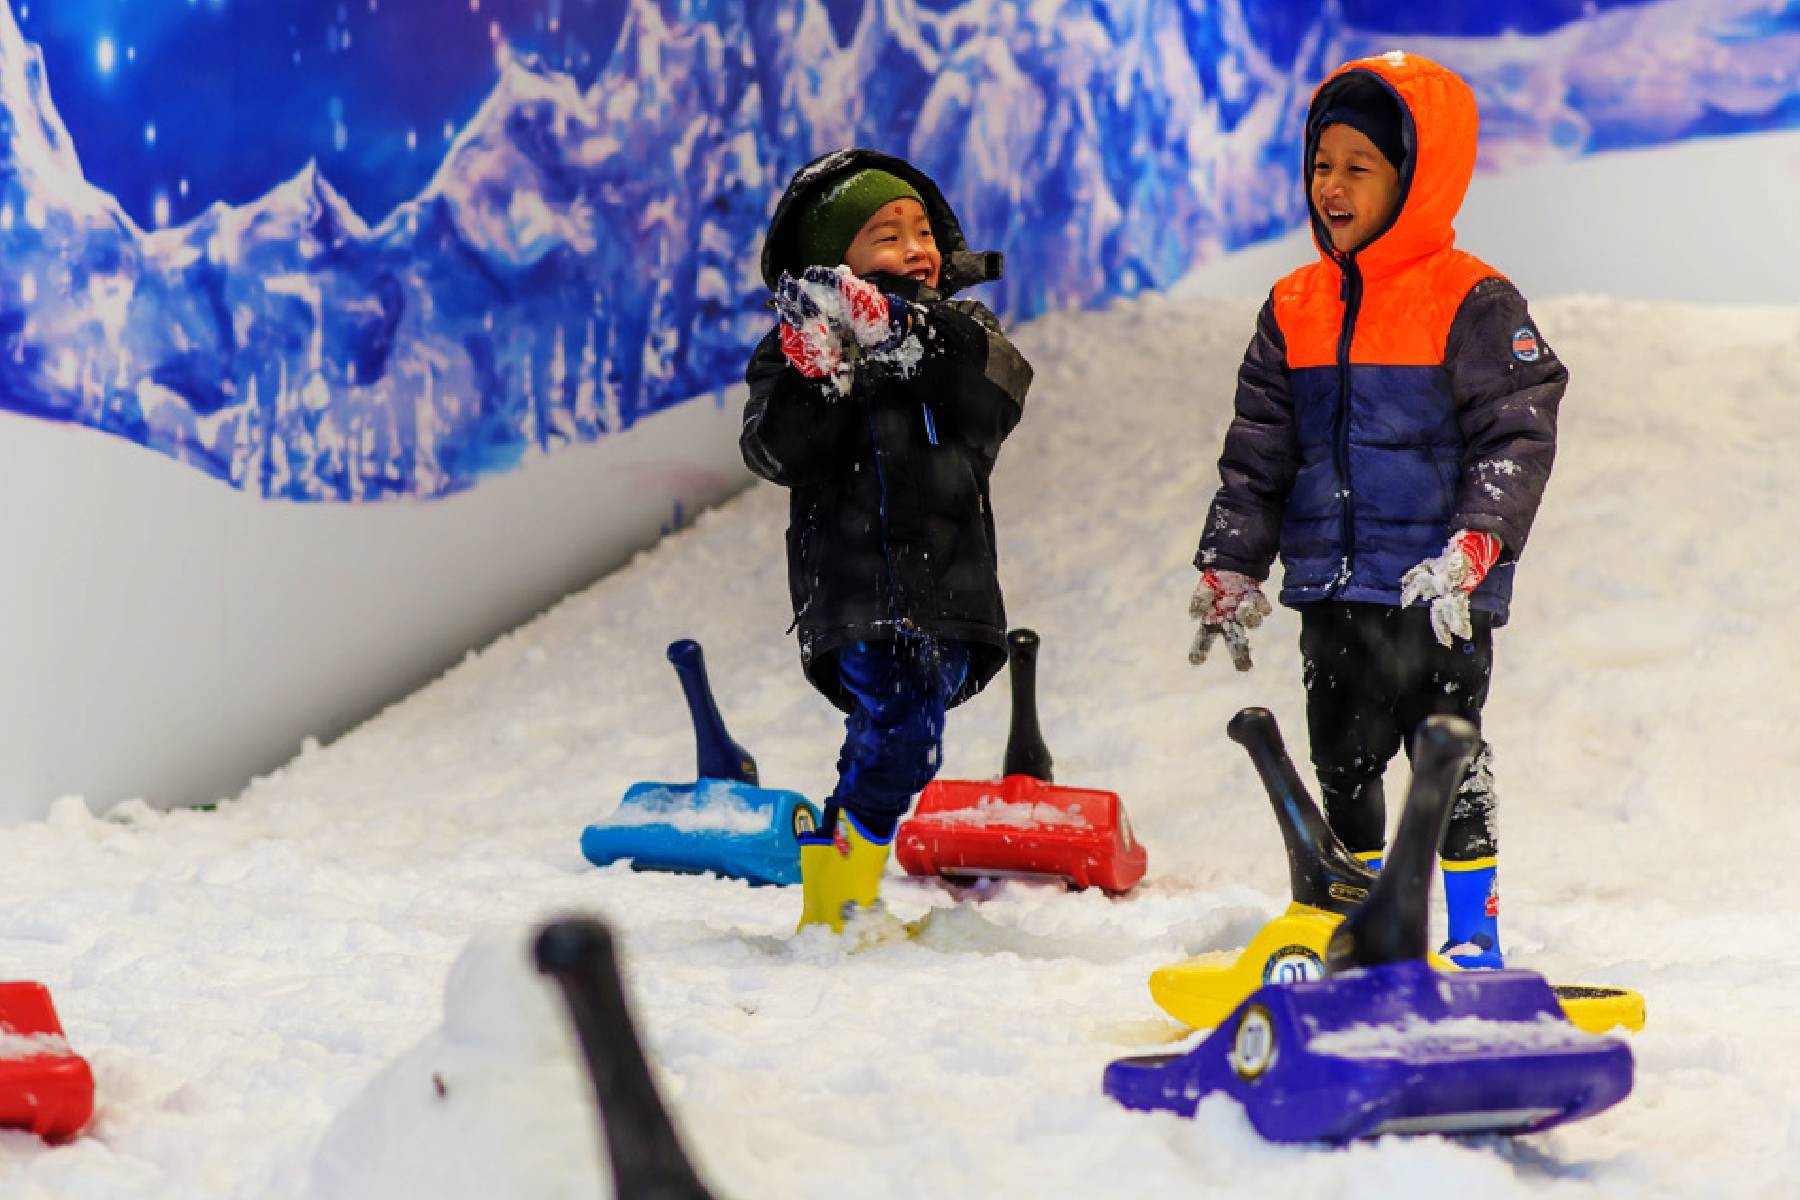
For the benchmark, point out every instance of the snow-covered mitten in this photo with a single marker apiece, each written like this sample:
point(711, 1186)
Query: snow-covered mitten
point(808, 337)
point(1472, 899)
point(1447, 580)
point(877, 321)
point(1227, 604)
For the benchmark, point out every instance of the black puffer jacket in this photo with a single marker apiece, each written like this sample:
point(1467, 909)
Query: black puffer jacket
point(891, 532)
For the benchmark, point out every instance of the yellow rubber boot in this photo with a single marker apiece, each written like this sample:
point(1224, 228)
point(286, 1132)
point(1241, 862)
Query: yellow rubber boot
point(840, 879)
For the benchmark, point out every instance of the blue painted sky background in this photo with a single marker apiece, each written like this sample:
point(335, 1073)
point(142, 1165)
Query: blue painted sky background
point(176, 103)
point(234, 96)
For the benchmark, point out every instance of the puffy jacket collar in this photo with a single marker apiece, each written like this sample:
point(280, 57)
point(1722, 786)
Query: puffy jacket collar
point(1439, 123)
point(961, 267)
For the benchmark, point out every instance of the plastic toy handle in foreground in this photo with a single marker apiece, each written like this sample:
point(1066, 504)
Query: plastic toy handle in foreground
point(1389, 927)
point(1321, 872)
point(716, 756)
point(647, 1160)
point(1026, 753)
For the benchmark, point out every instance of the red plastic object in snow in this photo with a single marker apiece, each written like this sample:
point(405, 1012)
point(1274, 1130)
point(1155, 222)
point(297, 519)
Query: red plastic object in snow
point(1022, 826)
point(45, 1087)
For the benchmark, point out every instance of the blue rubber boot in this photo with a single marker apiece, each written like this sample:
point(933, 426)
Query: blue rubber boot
point(1472, 895)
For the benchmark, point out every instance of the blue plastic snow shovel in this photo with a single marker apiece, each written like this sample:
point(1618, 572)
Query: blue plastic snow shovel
point(1384, 1042)
point(722, 822)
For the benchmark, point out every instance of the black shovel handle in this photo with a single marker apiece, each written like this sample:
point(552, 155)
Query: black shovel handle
point(647, 1160)
point(1321, 872)
point(716, 756)
point(1026, 753)
point(1390, 925)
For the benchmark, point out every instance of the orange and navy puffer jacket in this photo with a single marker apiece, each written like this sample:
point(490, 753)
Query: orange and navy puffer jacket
point(1393, 394)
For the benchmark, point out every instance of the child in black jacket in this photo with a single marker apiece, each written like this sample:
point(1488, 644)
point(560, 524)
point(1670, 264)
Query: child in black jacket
point(881, 404)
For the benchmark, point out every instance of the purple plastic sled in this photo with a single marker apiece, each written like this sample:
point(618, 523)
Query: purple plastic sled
point(1385, 1043)
point(1400, 1048)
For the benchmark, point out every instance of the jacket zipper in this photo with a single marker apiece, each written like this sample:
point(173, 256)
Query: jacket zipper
point(902, 624)
point(1351, 294)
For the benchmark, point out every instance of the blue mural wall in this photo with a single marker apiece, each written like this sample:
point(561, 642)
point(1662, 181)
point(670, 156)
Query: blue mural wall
point(347, 250)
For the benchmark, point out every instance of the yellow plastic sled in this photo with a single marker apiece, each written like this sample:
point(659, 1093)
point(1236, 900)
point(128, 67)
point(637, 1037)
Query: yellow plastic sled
point(1202, 991)
point(1326, 882)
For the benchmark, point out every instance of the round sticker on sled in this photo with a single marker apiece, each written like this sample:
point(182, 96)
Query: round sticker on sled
point(1253, 1049)
point(1293, 964)
point(803, 821)
point(1525, 345)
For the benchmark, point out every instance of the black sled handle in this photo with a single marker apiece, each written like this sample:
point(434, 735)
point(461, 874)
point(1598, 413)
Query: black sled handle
point(716, 756)
point(1321, 872)
point(1026, 753)
point(647, 1160)
point(1390, 925)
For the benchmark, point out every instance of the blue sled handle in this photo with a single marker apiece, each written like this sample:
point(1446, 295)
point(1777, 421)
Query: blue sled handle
point(716, 756)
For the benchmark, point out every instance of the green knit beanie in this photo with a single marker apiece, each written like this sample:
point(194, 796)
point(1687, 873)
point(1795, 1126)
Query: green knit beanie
point(831, 222)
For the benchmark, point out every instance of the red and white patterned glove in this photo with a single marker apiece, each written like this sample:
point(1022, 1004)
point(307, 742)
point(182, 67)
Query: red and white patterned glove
point(1447, 580)
point(1227, 604)
point(877, 321)
point(812, 348)
point(807, 337)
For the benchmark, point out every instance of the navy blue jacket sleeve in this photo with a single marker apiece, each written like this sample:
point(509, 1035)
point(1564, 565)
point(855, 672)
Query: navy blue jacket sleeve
point(1508, 384)
point(972, 376)
point(1261, 458)
point(795, 431)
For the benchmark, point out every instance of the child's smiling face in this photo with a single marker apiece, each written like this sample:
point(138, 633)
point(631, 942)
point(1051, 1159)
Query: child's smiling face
point(1354, 187)
point(898, 240)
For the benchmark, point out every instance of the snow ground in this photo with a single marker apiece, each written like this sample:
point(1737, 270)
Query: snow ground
point(239, 978)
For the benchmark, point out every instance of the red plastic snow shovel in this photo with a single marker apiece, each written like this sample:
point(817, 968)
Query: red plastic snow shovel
point(45, 1087)
point(1023, 825)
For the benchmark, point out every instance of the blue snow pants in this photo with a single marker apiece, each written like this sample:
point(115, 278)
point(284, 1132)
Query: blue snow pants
point(894, 739)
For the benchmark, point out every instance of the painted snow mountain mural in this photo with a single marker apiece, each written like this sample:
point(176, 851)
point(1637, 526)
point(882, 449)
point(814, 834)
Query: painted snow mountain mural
point(585, 254)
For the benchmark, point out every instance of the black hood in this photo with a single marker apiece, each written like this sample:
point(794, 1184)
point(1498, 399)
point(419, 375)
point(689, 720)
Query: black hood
point(961, 267)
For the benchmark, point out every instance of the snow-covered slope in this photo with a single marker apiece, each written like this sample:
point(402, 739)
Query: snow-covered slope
point(239, 977)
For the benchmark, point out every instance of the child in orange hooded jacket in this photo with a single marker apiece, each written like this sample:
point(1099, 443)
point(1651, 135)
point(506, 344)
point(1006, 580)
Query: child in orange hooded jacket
point(1395, 426)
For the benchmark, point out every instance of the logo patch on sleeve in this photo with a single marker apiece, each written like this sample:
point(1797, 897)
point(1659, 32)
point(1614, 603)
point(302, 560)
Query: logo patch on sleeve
point(1525, 345)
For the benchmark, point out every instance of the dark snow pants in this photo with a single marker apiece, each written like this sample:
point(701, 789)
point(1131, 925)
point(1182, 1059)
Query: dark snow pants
point(894, 739)
point(1373, 673)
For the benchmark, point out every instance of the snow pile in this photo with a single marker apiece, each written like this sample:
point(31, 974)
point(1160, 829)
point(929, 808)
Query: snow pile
point(1417, 1038)
point(994, 811)
point(31, 1045)
point(464, 1112)
point(712, 806)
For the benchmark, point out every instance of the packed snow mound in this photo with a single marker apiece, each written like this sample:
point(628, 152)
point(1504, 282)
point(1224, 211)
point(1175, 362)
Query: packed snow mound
point(496, 1102)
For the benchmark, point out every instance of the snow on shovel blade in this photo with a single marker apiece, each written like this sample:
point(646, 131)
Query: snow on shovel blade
point(1023, 825)
point(1384, 1042)
point(45, 1087)
point(723, 822)
point(714, 825)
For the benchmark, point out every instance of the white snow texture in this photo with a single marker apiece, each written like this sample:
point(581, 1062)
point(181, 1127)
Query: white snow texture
point(266, 991)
